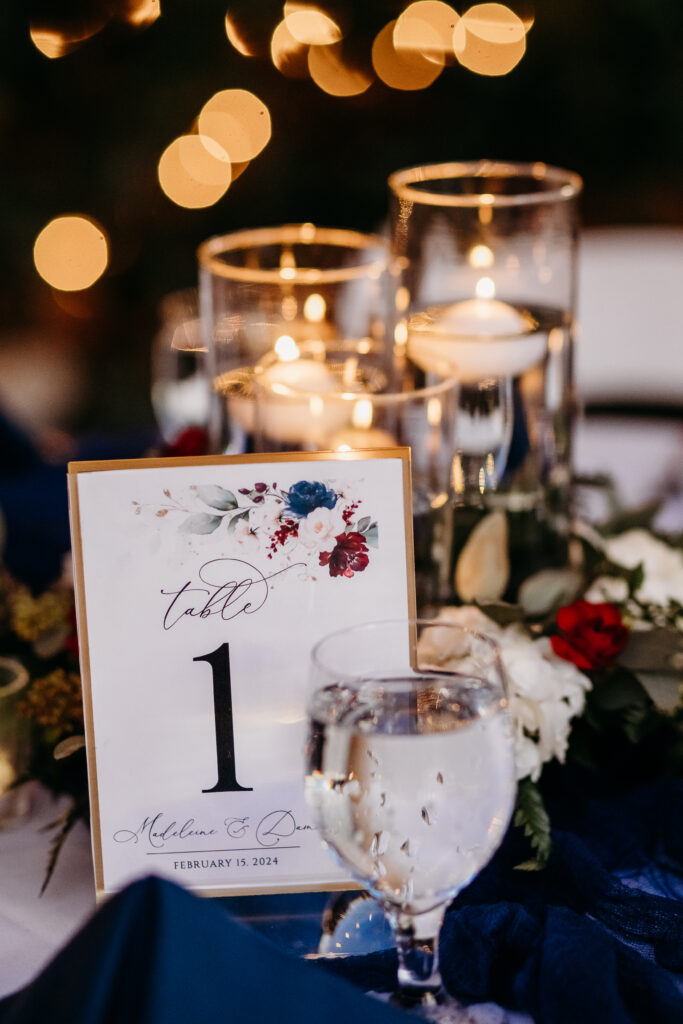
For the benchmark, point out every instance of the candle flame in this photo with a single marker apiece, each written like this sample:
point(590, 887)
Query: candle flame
point(434, 412)
point(286, 348)
point(362, 414)
point(481, 256)
point(485, 288)
point(315, 308)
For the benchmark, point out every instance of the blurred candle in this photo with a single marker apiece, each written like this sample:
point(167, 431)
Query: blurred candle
point(483, 337)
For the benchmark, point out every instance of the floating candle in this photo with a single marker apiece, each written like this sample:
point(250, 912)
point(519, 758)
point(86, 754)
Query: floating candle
point(483, 337)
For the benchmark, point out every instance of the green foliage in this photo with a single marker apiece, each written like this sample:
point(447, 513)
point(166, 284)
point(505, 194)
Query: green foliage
point(531, 816)
point(217, 497)
point(200, 522)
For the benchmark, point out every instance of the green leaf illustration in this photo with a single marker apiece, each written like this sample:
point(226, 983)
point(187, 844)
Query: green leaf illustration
point(217, 497)
point(372, 536)
point(235, 519)
point(200, 522)
point(363, 524)
point(531, 815)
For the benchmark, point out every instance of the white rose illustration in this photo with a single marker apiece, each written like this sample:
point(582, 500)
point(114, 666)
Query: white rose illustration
point(318, 531)
point(264, 518)
point(244, 536)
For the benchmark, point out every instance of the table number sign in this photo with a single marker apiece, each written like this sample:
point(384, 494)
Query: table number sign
point(201, 586)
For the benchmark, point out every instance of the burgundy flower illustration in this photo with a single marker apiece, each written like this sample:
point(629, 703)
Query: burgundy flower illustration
point(348, 556)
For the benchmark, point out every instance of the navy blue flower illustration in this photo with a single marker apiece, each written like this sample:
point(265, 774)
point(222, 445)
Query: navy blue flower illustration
point(307, 495)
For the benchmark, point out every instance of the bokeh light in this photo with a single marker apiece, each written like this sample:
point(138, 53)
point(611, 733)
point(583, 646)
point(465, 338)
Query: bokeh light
point(330, 73)
point(289, 56)
point(238, 121)
point(194, 171)
point(489, 39)
point(53, 43)
point(310, 25)
point(406, 70)
point(71, 252)
point(315, 308)
point(234, 35)
point(142, 12)
point(427, 27)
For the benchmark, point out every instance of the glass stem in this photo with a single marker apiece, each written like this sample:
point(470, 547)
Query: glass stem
point(417, 943)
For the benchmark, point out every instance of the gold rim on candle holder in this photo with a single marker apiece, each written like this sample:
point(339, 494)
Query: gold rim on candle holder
point(212, 254)
point(555, 184)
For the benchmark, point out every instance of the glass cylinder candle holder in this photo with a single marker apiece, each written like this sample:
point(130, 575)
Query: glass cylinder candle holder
point(487, 254)
point(362, 395)
point(180, 384)
point(267, 289)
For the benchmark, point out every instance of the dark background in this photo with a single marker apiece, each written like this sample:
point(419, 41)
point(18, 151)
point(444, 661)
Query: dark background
point(599, 90)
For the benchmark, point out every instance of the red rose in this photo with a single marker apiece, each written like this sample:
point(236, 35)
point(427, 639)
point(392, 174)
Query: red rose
point(348, 556)
point(192, 441)
point(591, 635)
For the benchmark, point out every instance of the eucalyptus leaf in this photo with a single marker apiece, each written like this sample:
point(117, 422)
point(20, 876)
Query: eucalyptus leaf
point(631, 519)
point(217, 497)
point(200, 522)
point(549, 589)
point(68, 747)
point(235, 519)
point(652, 650)
point(363, 524)
point(502, 613)
point(665, 689)
point(372, 536)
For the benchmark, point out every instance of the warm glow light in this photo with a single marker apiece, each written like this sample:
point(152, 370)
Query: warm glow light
point(489, 39)
point(434, 412)
point(402, 299)
point(288, 55)
point(401, 333)
point(71, 253)
point(315, 308)
point(286, 348)
point(332, 75)
point(55, 44)
point(485, 288)
point(480, 256)
point(194, 171)
point(142, 12)
point(405, 70)
point(238, 121)
point(362, 414)
point(234, 36)
point(426, 27)
point(311, 26)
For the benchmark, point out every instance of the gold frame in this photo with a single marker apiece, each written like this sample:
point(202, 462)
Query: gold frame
point(76, 468)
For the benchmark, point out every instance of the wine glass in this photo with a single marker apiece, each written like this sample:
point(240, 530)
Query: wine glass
point(411, 774)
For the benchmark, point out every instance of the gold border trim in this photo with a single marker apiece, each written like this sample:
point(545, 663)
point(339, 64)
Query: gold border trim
point(102, 466)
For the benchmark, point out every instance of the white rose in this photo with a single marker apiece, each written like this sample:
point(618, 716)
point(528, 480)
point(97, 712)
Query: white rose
point(244, 536)
point(662, 565)
point(319, 530)
point(607, 588)
point(266, 516)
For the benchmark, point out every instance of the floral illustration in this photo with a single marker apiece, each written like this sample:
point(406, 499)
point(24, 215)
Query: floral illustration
point(311, 520)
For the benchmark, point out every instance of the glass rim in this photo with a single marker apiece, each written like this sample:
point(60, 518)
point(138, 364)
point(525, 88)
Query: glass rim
point(413, 624)
point(565, 185)
point(288, 393)
point(294, 234)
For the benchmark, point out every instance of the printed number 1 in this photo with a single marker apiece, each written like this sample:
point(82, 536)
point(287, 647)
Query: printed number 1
point(219, 660)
